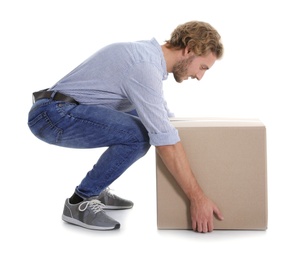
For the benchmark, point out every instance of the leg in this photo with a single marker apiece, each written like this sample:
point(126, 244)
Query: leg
point(110, 166)
point(81, 126)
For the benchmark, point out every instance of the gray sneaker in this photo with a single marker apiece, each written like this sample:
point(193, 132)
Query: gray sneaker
point(88, 214)
point(112, 201)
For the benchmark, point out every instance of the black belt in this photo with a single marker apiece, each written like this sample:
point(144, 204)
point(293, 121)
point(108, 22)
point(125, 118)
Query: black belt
point(54, 96)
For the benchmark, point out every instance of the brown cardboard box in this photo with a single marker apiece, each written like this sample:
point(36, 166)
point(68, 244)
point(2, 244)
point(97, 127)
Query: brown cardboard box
point(228, 158)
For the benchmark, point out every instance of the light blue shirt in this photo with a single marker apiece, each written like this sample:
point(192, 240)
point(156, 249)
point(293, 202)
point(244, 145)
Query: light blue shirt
point(125, 77)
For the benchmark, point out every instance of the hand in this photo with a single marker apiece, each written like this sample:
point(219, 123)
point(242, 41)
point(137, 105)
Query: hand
point(202, 214)
point(202, 208)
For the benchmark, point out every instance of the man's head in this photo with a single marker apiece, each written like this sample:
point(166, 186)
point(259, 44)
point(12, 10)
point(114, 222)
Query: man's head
point(200, 37)
point(201, 47)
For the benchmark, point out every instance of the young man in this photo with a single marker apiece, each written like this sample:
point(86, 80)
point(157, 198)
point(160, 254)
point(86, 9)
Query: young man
point(115, 99)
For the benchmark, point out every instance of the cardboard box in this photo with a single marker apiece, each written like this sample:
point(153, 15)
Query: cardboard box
point(228, 158)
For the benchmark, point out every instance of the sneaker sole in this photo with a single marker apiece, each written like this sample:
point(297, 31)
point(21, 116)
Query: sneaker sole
point(117, 207)
point(81, 224)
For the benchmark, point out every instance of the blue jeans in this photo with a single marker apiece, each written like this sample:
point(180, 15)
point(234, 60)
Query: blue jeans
point(84, 126)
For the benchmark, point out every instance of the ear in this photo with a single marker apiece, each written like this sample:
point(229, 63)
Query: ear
point(187, 51)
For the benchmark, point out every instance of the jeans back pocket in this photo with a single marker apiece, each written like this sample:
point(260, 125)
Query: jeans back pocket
point(43, 128)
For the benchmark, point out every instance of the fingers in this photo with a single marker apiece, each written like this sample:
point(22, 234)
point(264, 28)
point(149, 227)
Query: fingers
point(202, 216)
point(194, 225)
point(218, 213)
point(210, 225)
point(203, 227)
point(207, 225)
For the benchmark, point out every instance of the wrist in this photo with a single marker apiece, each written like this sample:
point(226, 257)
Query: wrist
point(195, 195)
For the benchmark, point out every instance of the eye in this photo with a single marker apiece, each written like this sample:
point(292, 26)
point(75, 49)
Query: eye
point(204, 67)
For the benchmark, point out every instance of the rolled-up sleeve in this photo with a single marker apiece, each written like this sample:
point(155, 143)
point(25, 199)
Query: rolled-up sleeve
point(145, 91)
point(159, 139)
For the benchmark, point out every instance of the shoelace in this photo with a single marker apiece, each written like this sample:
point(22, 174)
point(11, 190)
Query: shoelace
point(94, 205)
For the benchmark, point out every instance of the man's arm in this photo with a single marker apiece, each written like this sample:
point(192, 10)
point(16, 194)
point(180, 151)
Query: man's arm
point(201, 207)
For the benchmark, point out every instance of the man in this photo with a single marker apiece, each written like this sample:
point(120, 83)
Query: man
point(115, 99)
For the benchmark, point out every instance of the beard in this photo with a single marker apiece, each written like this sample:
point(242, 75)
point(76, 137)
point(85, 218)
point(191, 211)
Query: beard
point(180, 69)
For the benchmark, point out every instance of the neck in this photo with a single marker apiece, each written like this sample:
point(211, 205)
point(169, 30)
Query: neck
point(171, 57)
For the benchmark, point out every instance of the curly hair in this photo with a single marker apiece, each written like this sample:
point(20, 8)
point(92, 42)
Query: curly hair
point(199, 37)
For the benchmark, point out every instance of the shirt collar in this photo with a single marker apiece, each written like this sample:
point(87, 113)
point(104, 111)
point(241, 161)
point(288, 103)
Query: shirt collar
point(163, 61)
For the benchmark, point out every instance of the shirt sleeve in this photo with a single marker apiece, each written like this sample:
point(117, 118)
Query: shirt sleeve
point(143, 88)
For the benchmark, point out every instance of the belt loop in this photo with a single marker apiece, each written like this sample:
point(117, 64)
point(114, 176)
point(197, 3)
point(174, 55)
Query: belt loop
point(53, 94)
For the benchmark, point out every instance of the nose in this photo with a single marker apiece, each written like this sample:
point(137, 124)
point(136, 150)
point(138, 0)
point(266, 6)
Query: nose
point(199, 75)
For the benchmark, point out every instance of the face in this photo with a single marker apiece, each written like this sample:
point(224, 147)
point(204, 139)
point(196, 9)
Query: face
point(193, 67)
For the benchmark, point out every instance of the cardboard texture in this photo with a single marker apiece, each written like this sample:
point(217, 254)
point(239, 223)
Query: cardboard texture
point(228, 158)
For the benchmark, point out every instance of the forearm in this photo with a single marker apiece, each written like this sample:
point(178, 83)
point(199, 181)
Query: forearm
point(175, 159)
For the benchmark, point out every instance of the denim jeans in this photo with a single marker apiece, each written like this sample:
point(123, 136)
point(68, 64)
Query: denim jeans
point(84, 126)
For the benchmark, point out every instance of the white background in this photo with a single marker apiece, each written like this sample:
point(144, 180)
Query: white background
point(263, 75)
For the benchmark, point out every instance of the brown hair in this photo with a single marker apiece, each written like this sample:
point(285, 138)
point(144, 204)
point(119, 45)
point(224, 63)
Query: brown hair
point(200, 37)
